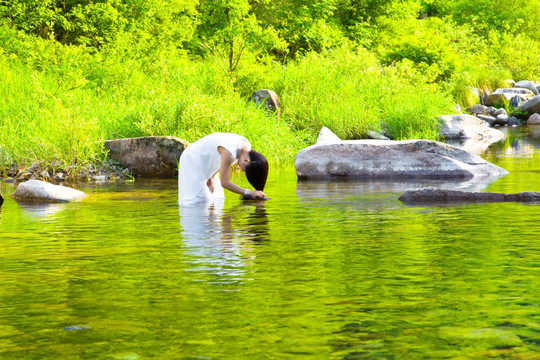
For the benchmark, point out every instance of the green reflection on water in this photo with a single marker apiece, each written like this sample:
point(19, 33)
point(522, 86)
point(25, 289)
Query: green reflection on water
point(321, 271)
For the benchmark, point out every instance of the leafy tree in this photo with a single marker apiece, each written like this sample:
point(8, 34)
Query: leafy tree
point(230, 26)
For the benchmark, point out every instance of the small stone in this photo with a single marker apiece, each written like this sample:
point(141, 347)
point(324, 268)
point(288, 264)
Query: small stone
point(509, 82)
point(499, 112)
point(13, 170)
point(477, 109)
point(34, 167)
point(72, 328)
point(44, 174)
point(24, 176)
point(59, 177)
point(534, 119)
point(513, 121)
point(502, 119)
point(490, 110)
point(376, 135)
point(100, 178)
point(9, 180)
point(489, 119)
point(268, 98)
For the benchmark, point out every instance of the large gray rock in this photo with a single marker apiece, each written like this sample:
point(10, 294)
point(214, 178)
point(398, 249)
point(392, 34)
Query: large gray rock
point(507, 95)
point(464, 126)
point(436, 195)
point(387, 159)
point(268, 98)
point(41, 191)
point(526, 84)
point(153, 156)
point(532, 106)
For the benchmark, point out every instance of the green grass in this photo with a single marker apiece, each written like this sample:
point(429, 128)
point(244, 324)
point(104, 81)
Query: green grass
point(64, 111)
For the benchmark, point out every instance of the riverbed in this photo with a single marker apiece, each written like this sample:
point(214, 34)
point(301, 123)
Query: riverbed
point(323, 270)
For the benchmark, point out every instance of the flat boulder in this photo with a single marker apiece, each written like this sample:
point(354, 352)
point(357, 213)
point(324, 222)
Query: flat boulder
point(526, 84)
point(150, 157)
point(388, 159)
point(464, 126)
point(437, 195)
point(42, 191)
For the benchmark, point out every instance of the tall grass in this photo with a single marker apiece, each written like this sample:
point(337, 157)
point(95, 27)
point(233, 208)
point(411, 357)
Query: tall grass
point(63, 108)
point(349, 92)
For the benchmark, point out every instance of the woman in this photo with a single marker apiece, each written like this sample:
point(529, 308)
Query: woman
point(198, 178)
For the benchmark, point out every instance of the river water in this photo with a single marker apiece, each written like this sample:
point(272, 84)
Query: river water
point(324, 270)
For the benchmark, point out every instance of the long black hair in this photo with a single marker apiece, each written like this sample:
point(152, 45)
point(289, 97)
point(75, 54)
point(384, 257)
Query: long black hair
point(257, 170)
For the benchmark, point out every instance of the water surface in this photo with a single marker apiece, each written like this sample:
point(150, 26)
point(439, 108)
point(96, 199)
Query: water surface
point(324, 270)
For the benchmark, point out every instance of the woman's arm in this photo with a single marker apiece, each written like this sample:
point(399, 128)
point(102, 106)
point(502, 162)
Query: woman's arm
point(225, 175)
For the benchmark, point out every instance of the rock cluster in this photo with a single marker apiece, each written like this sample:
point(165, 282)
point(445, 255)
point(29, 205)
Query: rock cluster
point(57, 172)
point(523, 96)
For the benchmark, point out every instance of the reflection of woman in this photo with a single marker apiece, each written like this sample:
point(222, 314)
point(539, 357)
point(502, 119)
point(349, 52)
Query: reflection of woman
point(198, 178)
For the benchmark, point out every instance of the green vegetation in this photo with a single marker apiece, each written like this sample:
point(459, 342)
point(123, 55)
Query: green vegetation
point(77, 72)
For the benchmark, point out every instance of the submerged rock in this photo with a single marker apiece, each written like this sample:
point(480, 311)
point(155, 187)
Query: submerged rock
point(152, 156)
point(466, 126)
point(387, 159)
point(489, 337)
point(41, 191)
point(437, 195)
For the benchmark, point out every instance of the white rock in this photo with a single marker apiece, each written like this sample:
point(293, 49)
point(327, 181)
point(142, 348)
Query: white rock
point(37, 190)
point(326, 136)
point(466, 126)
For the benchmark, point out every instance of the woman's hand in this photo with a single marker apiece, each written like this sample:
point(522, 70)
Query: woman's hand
point(254, 195)
point(257, 194)
point(210, 184)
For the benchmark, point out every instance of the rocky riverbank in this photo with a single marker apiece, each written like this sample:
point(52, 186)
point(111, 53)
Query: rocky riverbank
point(58, 172)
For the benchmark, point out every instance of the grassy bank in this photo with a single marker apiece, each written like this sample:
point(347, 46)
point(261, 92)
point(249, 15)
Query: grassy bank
point(393, 67)
point(50, 116)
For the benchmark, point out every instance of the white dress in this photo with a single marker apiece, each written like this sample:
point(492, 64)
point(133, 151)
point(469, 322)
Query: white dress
point(200, 161)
